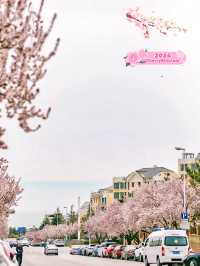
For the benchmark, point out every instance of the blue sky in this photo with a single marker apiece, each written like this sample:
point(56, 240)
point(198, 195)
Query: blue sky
point(107, 120)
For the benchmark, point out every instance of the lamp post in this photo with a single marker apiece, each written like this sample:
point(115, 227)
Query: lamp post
point(184, 177)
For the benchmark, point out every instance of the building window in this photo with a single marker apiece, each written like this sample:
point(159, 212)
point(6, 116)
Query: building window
point(133, 184)
point(181, 167)
point(116, 185)
point(121, 195)
point(122, 185)
point(103, 201)
point(139, 184)
point(116, 195)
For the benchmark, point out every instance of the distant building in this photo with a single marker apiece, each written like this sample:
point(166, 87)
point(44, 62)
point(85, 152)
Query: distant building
point(188, 160)
point(101, 199)
point(84, 209)
point(124, 187)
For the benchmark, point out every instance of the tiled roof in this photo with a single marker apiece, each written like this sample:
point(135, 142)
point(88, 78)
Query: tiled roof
point(152, 171)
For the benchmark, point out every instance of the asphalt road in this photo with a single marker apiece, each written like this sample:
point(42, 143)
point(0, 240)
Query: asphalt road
point(33, 256)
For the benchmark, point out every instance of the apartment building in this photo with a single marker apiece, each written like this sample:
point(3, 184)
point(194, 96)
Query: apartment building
point(124, 187)
point(188, 160)
point(101, 199)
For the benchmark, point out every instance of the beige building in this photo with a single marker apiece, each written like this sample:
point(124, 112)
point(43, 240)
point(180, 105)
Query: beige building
point(101, 199)
point(124, 187)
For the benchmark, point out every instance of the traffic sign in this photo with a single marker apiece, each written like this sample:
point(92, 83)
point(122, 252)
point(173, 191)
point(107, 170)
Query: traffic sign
point(184, 216)
point(21, 230)
point(185, 225)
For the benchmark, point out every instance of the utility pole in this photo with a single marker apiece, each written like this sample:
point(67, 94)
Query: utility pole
point(79, 221)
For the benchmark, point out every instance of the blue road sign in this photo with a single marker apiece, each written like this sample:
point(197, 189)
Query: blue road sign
point(21, 230)
point(184, 216)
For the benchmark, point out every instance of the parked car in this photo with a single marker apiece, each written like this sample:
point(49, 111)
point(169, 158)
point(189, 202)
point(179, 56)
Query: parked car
point(38, 244)
point(89, 249)
point(75, 250)
point(139, 252)
point(107, 251)
point(24, 242)
point(192, 260)
point(51, 249)
point(83, 250)
point(166, 247)
point(95, 250)
point(117, 252)
point(104, 245)
point(59, 243)
point(128, 252)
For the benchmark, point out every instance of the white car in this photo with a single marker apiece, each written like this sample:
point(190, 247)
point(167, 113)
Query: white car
point(24, 242)
point(166, 247)
point(51, 249)
point(89, 249)
point(139, 252)
point(59, 243)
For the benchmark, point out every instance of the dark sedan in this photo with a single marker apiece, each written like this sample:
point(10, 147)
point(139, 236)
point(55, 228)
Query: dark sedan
point(192, 260)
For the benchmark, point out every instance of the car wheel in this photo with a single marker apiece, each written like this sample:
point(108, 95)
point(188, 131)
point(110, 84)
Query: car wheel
point(158, 262)
point(146, 263)
point(193, 262)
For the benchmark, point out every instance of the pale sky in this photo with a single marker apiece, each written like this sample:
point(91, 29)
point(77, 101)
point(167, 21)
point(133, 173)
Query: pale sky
point(107, 120)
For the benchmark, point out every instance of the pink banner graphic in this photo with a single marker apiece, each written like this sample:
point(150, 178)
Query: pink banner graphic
point(144, 57)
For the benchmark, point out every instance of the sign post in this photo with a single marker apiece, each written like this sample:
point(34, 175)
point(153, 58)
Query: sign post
point(185, 225)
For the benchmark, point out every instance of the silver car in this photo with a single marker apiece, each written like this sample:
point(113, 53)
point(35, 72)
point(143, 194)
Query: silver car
point(51, 249)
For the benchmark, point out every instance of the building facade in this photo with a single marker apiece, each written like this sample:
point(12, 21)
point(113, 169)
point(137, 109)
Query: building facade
point(188, 160)
point(101, 199)
point(124, 187)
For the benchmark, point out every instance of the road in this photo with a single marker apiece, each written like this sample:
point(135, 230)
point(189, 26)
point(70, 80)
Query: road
point(33, 256)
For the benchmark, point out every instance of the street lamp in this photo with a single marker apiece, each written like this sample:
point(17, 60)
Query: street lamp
point(184, 177)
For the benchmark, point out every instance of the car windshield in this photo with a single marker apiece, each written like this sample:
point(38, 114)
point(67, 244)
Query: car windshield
point(176, 241)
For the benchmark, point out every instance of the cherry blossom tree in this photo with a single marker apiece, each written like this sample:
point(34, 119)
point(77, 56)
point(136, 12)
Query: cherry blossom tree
point(161, 204)
point(22, 61)
point(9, 195)
point(53, 232)
point(22, 66)
point(154, 205)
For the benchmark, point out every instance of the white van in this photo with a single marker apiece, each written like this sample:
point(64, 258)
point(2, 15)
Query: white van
point(166, 247)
